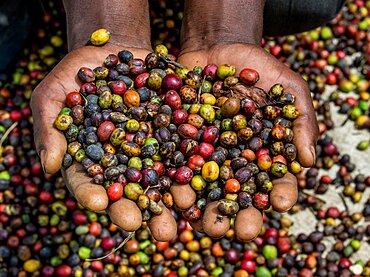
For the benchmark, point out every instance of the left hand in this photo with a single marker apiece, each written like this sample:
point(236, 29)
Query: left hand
point(47, 100)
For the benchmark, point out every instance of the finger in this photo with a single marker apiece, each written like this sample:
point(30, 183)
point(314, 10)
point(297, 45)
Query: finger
point(125, 214)
point(197, 225)
point(248, 224)
point(215, 224)
point(284, 193)
point(88, 194)
point(183, 195)
point(50, 143)
point(305, 127)
point(163, 226)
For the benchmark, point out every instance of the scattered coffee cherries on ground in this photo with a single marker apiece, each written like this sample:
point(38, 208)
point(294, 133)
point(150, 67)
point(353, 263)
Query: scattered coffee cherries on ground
point(44, 232)
point(151, 130)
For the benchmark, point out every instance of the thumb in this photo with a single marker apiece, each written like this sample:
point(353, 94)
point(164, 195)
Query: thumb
point(305, 128)
point(50, 143)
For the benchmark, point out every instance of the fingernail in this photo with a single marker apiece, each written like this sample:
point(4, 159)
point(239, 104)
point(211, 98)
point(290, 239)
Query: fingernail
point(313, 152)
point(43, 158)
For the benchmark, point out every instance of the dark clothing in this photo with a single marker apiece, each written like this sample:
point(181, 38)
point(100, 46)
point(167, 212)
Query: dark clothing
point(284, 17)
point(15, 25)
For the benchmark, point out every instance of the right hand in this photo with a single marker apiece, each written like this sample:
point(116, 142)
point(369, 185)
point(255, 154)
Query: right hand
point(248, 222)
point(47, 100)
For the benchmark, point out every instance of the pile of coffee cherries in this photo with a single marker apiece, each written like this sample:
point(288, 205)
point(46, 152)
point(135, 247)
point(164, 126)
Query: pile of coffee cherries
point(44, 232)
point(146, 129)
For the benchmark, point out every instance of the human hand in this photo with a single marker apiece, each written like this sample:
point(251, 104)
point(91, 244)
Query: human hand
point(47, 100)
point(129, 24)
point(248, 222)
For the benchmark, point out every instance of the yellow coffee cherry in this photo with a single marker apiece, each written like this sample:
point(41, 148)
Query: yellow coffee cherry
point(31, 265)
point(100, 37)
point(161, 49)
point(56, 41)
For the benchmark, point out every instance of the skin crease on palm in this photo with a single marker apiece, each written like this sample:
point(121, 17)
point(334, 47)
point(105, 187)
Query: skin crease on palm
point(48, 98)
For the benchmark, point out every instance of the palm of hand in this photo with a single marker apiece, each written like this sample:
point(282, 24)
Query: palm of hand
point(271, 71)
point(49, 97)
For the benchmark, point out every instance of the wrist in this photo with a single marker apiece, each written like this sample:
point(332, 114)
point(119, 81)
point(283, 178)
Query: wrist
point(126, 20)
point(210, 23)
point(93, 53)
point(116, 41)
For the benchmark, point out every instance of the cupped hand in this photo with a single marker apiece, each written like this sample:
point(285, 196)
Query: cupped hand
point(271, 71)
point(47, 100)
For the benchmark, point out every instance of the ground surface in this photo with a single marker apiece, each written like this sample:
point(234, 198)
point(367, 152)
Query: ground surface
point(346, 138)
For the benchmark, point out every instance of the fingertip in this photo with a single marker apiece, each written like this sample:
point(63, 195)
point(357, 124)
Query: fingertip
point(49, 141)
point(305, 127)
point(51, 146)
point(216, 234)
point(313, 156)
point(284, 193)
point(92, 197)
point(125, 214)
point(184, 196)
point(248, 224)
point(215, 224)
point(307, 156)
point(52, 158)
point(305, 143)
point(163, 227)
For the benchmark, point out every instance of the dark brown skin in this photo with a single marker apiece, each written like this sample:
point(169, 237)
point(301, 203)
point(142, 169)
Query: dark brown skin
point(248, 224)
point(214, 224)
point(131, 219)
point(285, 193)
point(183, 195)
point(163, 226)
point(128, 22)
point(222, 32)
